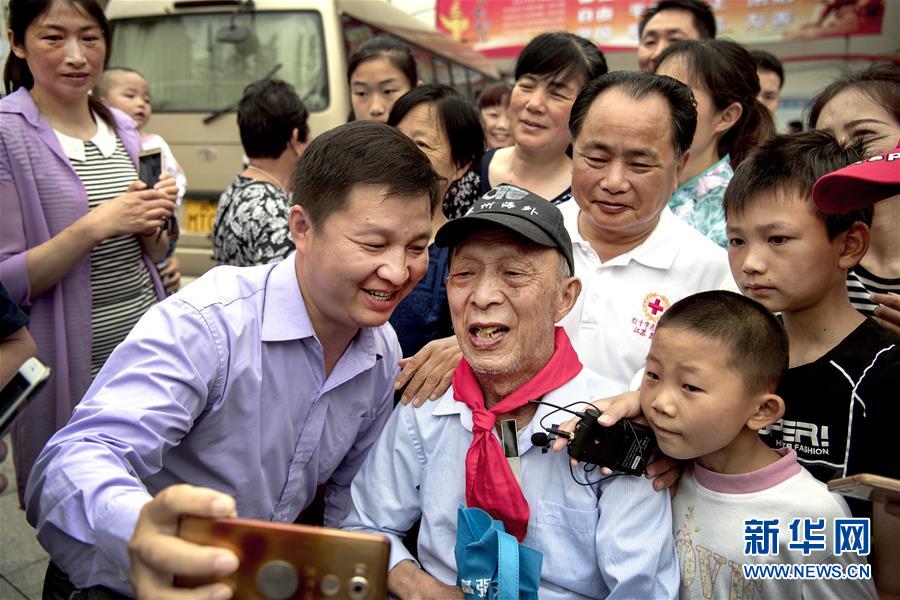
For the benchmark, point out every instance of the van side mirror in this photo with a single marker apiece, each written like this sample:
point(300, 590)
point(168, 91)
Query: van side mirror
point(233, 34)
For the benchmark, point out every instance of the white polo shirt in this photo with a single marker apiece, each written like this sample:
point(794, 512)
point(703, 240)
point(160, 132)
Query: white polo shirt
point(613, 321)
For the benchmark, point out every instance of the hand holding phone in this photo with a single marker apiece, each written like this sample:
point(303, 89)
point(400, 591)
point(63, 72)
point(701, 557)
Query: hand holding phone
point(866, 486)
point(279, 561)
point(157, 554)
point(150, 166)
point(14, 396)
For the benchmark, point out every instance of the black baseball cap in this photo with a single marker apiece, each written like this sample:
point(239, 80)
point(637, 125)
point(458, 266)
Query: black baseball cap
point(519, 210)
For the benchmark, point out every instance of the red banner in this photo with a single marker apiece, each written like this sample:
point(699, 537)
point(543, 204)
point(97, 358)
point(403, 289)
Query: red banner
point(500, 28)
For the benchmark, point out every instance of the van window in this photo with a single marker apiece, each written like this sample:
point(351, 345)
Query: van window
point(193, 66)
point(432, 66)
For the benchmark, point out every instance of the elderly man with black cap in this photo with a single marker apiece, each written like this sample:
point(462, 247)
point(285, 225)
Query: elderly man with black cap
point(511, 280)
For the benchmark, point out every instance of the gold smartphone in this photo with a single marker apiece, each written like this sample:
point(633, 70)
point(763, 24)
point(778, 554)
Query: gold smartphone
point(867, 486)
point(280, 561)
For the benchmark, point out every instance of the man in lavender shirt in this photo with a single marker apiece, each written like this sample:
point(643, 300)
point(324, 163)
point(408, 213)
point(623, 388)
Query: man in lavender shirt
point(254, 384)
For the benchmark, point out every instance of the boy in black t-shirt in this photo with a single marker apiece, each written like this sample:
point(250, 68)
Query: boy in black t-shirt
point(842, 405)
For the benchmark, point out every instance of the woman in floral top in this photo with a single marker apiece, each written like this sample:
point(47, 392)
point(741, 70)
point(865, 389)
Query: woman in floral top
point(251, 227)
point(730, 123)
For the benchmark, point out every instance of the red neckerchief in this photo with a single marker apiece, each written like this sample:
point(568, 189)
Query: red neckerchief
point(490, 483)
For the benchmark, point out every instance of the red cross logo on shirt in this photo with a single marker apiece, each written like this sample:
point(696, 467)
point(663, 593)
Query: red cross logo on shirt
point(654, 305)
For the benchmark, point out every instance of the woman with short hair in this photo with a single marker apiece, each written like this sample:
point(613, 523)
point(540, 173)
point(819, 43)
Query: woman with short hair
point(250, 226)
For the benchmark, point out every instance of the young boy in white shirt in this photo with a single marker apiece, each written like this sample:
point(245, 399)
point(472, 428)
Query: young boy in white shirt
point(707, 390)
point(128, 91)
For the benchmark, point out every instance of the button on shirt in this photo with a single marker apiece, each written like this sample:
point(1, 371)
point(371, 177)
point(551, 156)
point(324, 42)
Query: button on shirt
point(614, 318)
point(222, 385)
point(612, 540)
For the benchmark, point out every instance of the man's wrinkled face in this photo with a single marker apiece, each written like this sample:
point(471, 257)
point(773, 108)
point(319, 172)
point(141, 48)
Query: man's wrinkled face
point(505, 298)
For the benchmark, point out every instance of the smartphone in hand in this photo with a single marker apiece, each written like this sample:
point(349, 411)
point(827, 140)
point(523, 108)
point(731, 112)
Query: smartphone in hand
point(282, 561)
point(866, 486)
point(150, 166)
point(14, 396)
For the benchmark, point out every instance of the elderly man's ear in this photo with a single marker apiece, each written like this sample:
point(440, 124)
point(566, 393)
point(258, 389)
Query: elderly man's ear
point(566, 298)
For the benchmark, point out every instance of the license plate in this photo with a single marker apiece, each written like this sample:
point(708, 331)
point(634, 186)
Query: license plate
point(199, 215)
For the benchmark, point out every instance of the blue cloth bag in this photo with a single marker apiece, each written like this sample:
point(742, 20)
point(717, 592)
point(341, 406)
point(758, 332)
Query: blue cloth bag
point(490, 563)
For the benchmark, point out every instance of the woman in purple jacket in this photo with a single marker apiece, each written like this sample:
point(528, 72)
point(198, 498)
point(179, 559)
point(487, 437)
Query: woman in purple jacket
point(78, 232)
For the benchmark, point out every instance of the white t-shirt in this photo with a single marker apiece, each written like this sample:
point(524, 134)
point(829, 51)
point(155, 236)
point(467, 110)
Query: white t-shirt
point(621, 300)
point(708, 514)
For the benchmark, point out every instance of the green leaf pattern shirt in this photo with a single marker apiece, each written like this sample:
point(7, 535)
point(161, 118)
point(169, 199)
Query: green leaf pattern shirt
point(698, 201)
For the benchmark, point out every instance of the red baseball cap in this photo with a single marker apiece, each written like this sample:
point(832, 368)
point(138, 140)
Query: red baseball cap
point(859, 185)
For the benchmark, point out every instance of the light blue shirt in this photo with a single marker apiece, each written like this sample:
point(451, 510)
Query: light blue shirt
point(612, 540)
point(222, 385)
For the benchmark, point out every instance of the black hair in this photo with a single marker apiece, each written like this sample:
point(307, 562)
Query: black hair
point(267, 114)
point(22, 13)
point(101, 90)
point(793, 163)
point(496, 94)
point(561, 54)
point(679, 98)
point(728, 74)
point(880, 82)
point(360, 153)
point(385, 46)
point(457, 116)
point(756, 340)
point(766, 61)
point(704, 19)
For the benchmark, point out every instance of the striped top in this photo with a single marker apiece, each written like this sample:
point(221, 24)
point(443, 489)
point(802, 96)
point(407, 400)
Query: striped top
point(861, 283)
point(121, 286)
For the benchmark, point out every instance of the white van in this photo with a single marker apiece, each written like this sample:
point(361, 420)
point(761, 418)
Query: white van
point(199, 55)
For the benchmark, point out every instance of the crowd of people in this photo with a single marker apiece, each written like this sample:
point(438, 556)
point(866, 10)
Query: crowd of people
point(393, 289)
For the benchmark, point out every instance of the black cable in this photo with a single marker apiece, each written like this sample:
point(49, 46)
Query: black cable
point(553, 412)
point(587, 470)
point(559, 408)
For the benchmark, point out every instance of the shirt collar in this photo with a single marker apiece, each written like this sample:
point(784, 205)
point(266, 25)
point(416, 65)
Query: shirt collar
point(104, 139)
point(284, 313)
point(285, 316)
point(447, 405)
point(657, 251)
